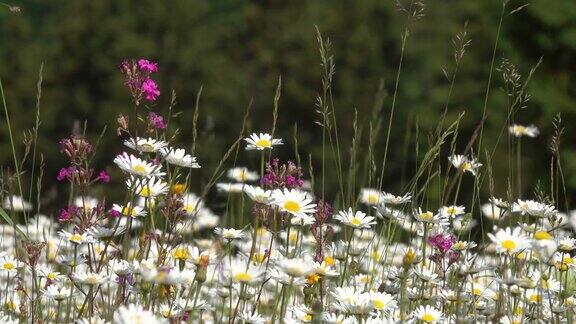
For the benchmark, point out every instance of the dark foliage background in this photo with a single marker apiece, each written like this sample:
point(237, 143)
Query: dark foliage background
point(237, 49)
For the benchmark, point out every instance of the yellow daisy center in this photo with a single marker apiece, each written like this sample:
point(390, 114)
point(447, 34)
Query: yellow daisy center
point(466, 166)
point(139, 168)
point(292, 206)
point(307, 318)
point(52, 276)
point(242, 277)
point(145, 192)
point(181, 254)
point(426, 216)
point(129, 211)
point(451, 210)
point(508, 245)
point(147, 147)
point(378, 304)
point(76, 238)
point(372, 199)
point(543, 235)
point(8, 266)
point(534, 298)
point(427, 317)
point(329, 260)
point(519, 129)
point(355, 221)
point(190, 208)
point(263, 143)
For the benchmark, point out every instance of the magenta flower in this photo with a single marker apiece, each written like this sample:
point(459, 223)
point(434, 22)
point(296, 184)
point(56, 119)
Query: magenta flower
point(103, 176)
point(156, 121)
point(147, 66)
point(65, 173)
point(114, 213)
point(150, 90)
point(442, 242)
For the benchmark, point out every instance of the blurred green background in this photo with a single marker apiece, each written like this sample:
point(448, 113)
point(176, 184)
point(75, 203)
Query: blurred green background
point(237, 49)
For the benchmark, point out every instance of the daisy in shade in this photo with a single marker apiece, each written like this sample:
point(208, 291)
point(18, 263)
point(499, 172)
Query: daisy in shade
point(391, 199)
point(261, 141)
point(146, 145)
point(258, 194)
point(294, 202)
point(129, 210)
point(138, 167)
point(510, 241)
point(452, 211)
point(16, 203)
point(465, 164)
point(356, 219)
point(85, 202)
point(371, 197)
point(427, 314)
point(148, 188)
point(242, 174)
point(520, 130)
point(179, 157)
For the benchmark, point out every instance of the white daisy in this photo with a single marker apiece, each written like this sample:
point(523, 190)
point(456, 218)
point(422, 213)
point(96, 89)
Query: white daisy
point(229, 233)
point(427, 314)
point(509, 240)
point(136, 166)
point(294, 202)
point(261, 141)
point(520, 130)
point(86, 202)
point(179, 157)
point(356, 219)
point(147, 145)
point(9, 264)
point(129, 210)
point(258, 194)
point(147, 187)
point(465, 164)
point(135, 314)
point(76, 238)
point(371, 197)
point(452, 211)
point(241, 174)
point(391, 199)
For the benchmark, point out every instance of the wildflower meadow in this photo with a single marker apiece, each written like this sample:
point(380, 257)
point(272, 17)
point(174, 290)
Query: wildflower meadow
point(290, 240)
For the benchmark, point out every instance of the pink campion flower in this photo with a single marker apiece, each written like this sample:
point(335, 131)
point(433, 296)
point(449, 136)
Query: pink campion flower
point(150, 90)
point(103, 176)
point(65, 173)
point(442, 242)
point(114, 213)
point(147, 66)
point(156, 121)
point(67, 214)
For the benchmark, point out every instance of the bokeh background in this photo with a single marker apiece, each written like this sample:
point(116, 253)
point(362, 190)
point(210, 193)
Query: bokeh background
point(237, 49)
